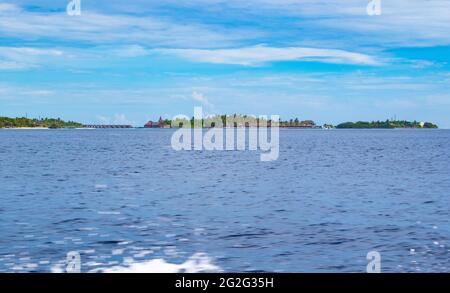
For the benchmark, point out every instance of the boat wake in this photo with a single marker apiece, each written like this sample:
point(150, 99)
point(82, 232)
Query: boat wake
point(197, 263)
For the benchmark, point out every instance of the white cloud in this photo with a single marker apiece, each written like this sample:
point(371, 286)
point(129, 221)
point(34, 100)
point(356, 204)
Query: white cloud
point(18, 58)
point(261, 54)
point(121, 119)
point(23, 52)
point(297, 23)
point(202, 99)
point(130, 51)
point(12, 65)
point(8, 7)
point(104, 119)
point(117, 119)
point(402, 23)
point(96, 28)
point(26, 53)
point(21, 58)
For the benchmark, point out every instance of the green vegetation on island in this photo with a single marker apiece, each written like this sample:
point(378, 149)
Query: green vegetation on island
point(235, 120)
point(238, 120)
point(387, 124)
point(6, 122)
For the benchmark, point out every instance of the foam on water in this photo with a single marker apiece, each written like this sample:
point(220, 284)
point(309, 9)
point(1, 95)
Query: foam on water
point(197, 263)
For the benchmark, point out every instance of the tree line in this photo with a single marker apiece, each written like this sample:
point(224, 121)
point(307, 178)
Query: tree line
point(6, 122)
point(387, 124)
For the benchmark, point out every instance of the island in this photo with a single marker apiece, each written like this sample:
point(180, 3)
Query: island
point(235, 121)
point(242, 121)
point(23, 122)
point(389, 124)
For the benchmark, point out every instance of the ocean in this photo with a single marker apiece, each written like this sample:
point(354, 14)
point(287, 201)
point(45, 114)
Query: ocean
point(124, 200)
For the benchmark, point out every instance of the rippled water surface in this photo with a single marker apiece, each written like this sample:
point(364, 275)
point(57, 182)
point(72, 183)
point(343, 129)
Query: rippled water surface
point(125, 199)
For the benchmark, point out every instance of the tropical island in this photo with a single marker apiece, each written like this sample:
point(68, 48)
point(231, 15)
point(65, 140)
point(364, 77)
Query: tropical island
point(387, 124)
point(235, 120)
point(23, 122)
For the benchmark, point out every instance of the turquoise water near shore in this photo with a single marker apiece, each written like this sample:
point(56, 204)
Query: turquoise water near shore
point(124, 198)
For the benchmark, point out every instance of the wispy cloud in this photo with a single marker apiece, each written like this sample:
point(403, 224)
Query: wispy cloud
point(308, 22)
point(13, 65)
point(130, 51)
point(117, 119)
point(19, 58)
point(293, 23)
point(198, 97)
point(261, 54)
point(121, 119)
point(98, 28)
point(8, 7)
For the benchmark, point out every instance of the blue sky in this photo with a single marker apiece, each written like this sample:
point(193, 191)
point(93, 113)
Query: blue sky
point(131, 61)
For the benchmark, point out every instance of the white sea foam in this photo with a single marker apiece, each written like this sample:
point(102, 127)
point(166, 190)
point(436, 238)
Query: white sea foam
point(198, 263)
point(57, 268)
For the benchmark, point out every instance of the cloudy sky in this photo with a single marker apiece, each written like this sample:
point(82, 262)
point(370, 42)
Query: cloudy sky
point(131, 61)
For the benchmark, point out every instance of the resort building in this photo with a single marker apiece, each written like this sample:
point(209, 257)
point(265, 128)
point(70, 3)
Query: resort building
point(159, 124)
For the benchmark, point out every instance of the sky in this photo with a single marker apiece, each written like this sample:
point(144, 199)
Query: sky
point(127, 62)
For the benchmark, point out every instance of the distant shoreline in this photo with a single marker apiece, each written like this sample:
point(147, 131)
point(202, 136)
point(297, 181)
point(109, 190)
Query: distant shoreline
point(248, 127)
point(218, 121)
point(25, 128)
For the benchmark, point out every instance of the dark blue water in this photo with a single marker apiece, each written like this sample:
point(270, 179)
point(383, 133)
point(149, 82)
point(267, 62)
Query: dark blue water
point(124, 197)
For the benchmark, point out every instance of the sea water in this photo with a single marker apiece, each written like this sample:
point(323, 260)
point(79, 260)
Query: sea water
point(126, 201)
